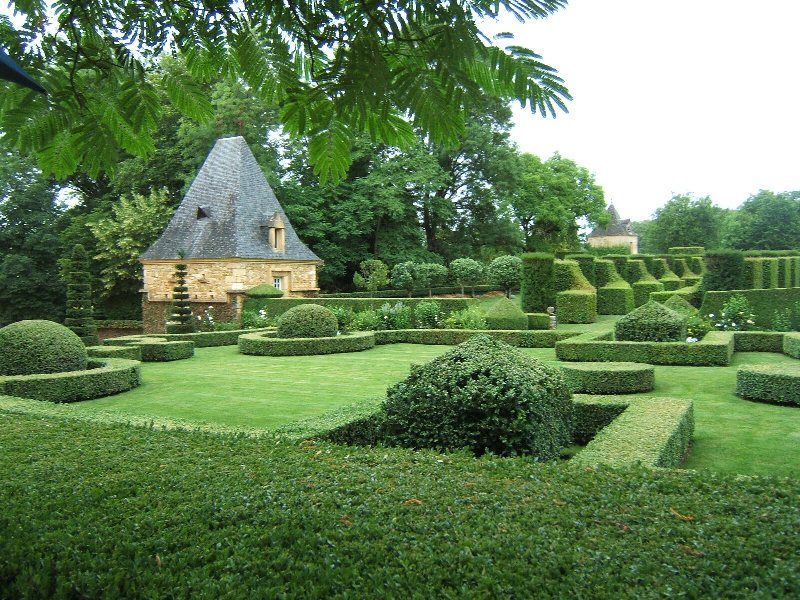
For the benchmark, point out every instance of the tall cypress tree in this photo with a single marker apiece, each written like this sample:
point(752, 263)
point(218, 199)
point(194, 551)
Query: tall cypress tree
point(180, 321)
point(79, 297)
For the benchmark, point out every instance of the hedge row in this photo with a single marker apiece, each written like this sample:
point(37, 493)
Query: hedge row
point(791, 344)
point(715, 349)
point(156, 349)
point(614, 294)
point(130, 352)
point(693, 250)
point(768, 273)
point(576, 306)
point(592, 413)
point(691, 294)
point(609, 377)
point(441, 290)
point(538, 321)
point(775, 384)
point(277, 306)
point(452, 337)
point(758, 341)
point(763, 303)
point(265, 344)
point(654, 432)
point(103, 377)
point(536, 282)
point(118, 324)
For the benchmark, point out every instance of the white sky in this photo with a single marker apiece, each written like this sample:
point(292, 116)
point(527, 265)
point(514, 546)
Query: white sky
point(698, 96)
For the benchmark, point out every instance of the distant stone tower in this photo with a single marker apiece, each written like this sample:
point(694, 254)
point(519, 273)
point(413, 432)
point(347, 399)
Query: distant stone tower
point(618, 232)
point(233, 234)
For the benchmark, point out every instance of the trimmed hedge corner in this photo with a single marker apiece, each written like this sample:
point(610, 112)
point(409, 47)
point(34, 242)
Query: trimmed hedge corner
point(505, 314)
point(131, 352)
point(614, 294)
point(536, 285)
point(265, 344)
point(576, 306)
point(538, 320)
point(609, 377)
point(775, 384)
point(791, 344)
point(758, 341)
point(156, 349)
point(103, 377)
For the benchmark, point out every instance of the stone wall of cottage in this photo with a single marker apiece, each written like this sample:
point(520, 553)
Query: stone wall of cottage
point(603, 241)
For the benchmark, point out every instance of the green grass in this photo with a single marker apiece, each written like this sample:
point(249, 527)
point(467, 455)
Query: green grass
point(95, 510)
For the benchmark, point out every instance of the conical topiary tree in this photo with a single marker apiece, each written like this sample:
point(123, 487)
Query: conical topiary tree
point(180, 320)
point(79, 297)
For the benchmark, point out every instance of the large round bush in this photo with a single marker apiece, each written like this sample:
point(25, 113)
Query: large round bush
point(307, 321)
point(32, 347)
point(483, 395)
point(651, 322)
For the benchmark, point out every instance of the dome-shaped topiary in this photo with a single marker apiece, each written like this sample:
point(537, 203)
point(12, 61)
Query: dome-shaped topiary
point(307, 321)
point(651, 322)
point(34, 347)
point(484, 395)
point(505, 314)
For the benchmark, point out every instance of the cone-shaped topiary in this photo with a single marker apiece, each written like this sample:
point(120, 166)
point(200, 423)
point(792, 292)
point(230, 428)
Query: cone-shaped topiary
point(307, 321)
point(483, 395)
point(180, 320)
point(38, 347)
point(651, 322)
point(642, 282)
point(505, 314)
point(681, 306)
point(79, 316)
point(665, 276)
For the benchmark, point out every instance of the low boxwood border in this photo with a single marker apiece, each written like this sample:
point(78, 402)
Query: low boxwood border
point(758, 341)
point(131, 352)
point(274, 307)
point(538, 321)
point(773, 384)
point(609, 377)
point(156, 349)
point(452, 337)
point(104, 377)
point(200, 339)
point(791, 344)
point(715, 349)
point(266, 344)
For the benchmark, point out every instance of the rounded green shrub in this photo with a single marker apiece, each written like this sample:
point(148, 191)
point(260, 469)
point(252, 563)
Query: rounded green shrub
point(505, 314)
point(483, 395)
point(38, 347)
point(307, 321)
point(265, 290)
point(651, 322)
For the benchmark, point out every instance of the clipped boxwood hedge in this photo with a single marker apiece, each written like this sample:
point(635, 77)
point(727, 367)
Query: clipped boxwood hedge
point(538, 320)
point(130, 352)
point(536, 284)
point(654, 432)
point(758, 341)
point(265, 290)
point(775, 384)
point(275, 307)
point(156, 349)
point(694, 250)
point(200, 339)
point(690, 294)
point(609, 377)
point(266, 344)
point(652, 322)
point(614, 294)
point(400, 294)
point(505, 314)
point(763, 303)
point(103, 377)
point(576, 306)
point(791, 344)
point(642, 282)
point(452, 337)
point(38, 346)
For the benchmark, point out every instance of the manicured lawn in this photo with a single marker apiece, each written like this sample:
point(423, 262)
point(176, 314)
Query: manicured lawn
point(223, 387)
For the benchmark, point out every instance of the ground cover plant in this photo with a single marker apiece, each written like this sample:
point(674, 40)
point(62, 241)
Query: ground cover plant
point(545, 529)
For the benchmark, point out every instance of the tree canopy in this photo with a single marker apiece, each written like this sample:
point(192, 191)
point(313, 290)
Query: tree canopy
point(766, 221)
point(335, 69)
point(683, 221)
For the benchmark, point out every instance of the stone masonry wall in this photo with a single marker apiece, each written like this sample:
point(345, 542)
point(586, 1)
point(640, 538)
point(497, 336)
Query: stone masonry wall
point(631, 241)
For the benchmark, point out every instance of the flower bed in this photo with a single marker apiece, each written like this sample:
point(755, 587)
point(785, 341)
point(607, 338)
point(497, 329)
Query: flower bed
point(451, 337)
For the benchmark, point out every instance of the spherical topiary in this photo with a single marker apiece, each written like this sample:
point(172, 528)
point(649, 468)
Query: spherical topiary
point(483, 395)
point(34, 347)
point(307, 321)
point(651, 322)
point(505, 314)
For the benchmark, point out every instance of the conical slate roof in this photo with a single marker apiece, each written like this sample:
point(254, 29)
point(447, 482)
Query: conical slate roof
point(227, 212)
point(616, 226)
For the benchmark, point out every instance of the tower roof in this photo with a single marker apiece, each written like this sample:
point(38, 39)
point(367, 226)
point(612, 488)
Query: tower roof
point(227, 212)
point(616, 226)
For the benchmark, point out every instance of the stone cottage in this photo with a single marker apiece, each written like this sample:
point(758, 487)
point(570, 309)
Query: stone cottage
point(618, 232)
point(233, 235)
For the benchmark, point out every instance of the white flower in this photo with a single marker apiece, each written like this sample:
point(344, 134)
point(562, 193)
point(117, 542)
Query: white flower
point(691, 339)
point(750, 321)
point(711, 316)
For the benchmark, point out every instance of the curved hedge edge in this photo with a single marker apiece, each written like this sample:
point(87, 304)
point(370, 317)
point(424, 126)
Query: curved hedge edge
point(105, 377)
point(653, 432)
point(156, 349)
point(259, 344)
point(791, 344)
point(773, 384)
point(758, 341)
point(353, 425)
point(201, 339)
point(592, 413)
point(453, 337)
point(609, 377)
point(131, 352)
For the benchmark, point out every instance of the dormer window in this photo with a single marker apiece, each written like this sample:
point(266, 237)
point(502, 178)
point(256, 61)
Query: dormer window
point(201, 213)
point(277, 233)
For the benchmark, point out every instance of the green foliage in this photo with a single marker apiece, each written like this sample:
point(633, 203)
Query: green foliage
point(344, 317)
point(437, 291)
point(36, 347)
point(429, 275)
point(724, 271)
point(265, 290)
point(103, 377)
point(505, 272)
point(79, 311)
point(776, 384)
point(367, 320)
point(642, 282)
point(604, 251)
point(690, 294)
point(265, 344)
point(651, 322)
point(483, 395)
point(567, 275)
point(427, 315)
point(127, 352)
point(466, 272)
point(614, 294)
point(307, 321)
point(161, 350)
point(782, 320)
point(685, 222)
point(758, 341)
point(697, 327)
point(680, 305)
point(576, 306)
point(451, 337)
point(403, 276)
point(505, 314)
point(665, 276)
point(690, 250)
point(791, 344)
point(766, 221)
point(586, 264)
point(620, 263)
point(762, 304)
point(467, 318)
point(608, 377)
point(538, 320)
point(536, 286)
point(394, 316)
point(180, 319)
point(373, 275)
point(735, 315)
point(199, 339)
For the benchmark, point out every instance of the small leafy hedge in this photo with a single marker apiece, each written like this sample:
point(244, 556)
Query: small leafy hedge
point(693, 250)
point(791, 344)
point(609, 377)
point(200, 339)
point(763, 303)
point(307, 321)
point(118, 324)
point(265, 344)
point(156, 349)
point(758, 341)
point(506, 314)
point(652, 322)
point(576, 306)
point(775, 384)
point(39, 346)
point(274, 307)
point(130, 352)
point(265, 290)
point(453, 337)
point(400, 294)
point(538, 320)
point(102, 377)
